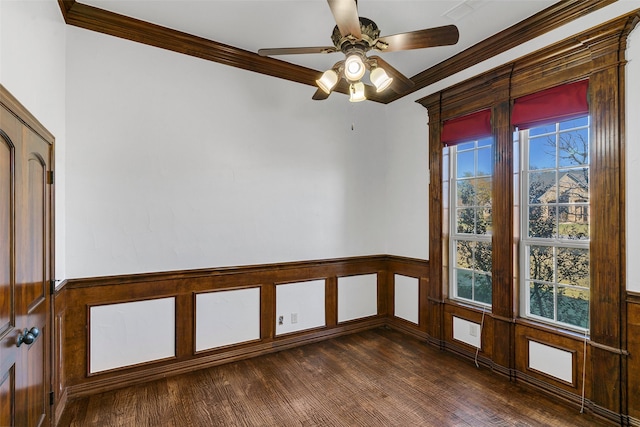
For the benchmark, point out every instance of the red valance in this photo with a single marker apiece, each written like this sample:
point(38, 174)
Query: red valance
point(465, 128)
point(551, 105)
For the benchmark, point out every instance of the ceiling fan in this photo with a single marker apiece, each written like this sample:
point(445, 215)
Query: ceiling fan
point(355, 36)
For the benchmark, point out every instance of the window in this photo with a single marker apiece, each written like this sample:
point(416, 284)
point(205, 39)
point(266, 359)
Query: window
point(555, 223)
point(471, 220)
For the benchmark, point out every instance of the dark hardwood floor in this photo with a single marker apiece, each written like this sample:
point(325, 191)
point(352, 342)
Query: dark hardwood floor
point(375, 378)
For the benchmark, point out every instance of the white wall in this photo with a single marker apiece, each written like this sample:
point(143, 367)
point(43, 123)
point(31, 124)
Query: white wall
point(633, 161)
point(407, 184)
point(180, 163)
point(32, 68)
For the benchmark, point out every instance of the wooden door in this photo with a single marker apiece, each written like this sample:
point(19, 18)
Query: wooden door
point(25, 270)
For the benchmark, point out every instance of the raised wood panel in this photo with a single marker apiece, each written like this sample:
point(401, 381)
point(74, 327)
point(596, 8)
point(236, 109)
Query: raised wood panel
point(359, 297)
point(474, 315)
point(35, 278)
point(6, 232)
point(573, 344)
point(633, 372)
point(7, 393)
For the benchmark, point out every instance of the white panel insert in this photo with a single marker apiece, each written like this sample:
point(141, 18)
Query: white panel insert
point(551, 361)
point(357, 297)
point(406, 298)
point(126, 334)
point(227, 317)
point(300, 306)
point(467, 332)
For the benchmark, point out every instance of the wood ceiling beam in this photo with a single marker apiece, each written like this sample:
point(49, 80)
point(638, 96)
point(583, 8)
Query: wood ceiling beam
point(103, 21)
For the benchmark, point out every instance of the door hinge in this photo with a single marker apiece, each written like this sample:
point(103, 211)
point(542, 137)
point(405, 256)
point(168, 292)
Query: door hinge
point(50, 176)
point(51, 398)
point(52, 286)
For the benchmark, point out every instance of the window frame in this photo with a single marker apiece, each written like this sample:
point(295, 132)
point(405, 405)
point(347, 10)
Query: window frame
point(522, 139)
point(454, 237)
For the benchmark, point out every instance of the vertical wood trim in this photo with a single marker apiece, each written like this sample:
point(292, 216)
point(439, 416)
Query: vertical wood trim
point(331, 301)
point(435, 292)
point(502, 242)
point(608, 315)
point(267, 311)
point(185, 331)
point(385, 290)
point(423, 306)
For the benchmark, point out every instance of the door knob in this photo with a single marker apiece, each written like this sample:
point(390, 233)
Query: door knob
point(28, 336)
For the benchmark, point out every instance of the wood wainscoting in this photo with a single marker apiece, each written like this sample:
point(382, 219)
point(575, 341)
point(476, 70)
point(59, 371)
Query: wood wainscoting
point(466, 330)
point(75, 298)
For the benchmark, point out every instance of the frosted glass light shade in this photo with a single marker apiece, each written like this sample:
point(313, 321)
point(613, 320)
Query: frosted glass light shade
point(380, 79)
point(354, 68)
point(327, 81)
point(356, 91)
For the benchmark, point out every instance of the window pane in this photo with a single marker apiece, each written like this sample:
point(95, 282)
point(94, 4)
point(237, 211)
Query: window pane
point(541, 300)
point(466, 192)
point(541, 263)
point(542, 221)
point(573, 185)
point(542, 152)
point(542, 130)
point(465, 221)
point(485, 162)
point(466, 146)
point(485, 142)
point(483, 191)
point(542, 187)
point(465, 164)
point(574, 148)
point(464, 251)
point(573, 306)
point(464, 283)
point(574, 123)
point(574, 222)
point(483, 221)
point(573, 266)
point(482, 257)
point(482, 289)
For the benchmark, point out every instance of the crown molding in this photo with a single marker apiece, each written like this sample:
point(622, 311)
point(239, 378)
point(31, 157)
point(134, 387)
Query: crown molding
point(103, 21)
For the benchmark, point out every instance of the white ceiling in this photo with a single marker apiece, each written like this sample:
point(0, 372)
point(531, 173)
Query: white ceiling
point(255, 24)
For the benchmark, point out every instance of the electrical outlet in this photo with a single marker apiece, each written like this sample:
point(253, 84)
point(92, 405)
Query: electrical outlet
point(294, 317)
point(281, 320)
point(473, 330)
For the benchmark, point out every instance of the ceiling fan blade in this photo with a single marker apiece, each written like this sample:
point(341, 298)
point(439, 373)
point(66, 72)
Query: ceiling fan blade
point(400, 83)
point(320, 95)
point(439, 36)
point(296, 50)
point(345, 12)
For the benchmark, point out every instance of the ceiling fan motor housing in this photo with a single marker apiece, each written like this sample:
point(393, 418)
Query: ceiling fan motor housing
point(370, 33)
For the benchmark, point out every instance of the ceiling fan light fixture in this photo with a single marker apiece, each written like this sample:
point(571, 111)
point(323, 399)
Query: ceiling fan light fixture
point(354, 67)
point(327, 81)
point(356, 92)
point(380, 79)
